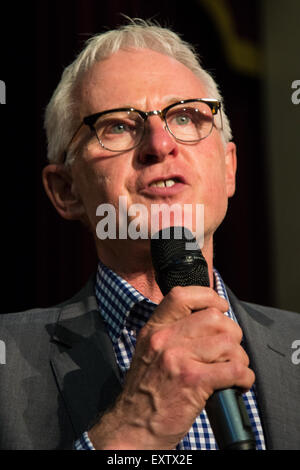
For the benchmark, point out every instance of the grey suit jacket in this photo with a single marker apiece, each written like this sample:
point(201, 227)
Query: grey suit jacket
point(61, 374)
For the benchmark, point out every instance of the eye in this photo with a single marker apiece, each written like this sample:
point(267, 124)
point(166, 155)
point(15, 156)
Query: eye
point(119, 128)
point(116, 127)
point(182, 119)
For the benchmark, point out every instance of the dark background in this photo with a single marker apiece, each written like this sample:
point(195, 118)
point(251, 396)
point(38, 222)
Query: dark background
point(46, 259)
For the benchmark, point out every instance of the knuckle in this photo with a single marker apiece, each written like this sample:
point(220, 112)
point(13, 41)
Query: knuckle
point(252, 376)
point(169, 360)
point(227, 340)
point(245, 358)
point(239, 371)
point(240, 334)
point(215, 316)
point(157, 340)
point(237, 331)
point(177, 294)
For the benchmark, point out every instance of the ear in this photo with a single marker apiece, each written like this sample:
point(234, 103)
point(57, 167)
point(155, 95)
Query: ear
point(230, 168)
point(59, 187)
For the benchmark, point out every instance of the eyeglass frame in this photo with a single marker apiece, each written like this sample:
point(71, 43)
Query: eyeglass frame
point(214, 104)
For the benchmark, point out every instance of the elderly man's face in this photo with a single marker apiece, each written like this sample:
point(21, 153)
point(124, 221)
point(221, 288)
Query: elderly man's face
point(148, 80)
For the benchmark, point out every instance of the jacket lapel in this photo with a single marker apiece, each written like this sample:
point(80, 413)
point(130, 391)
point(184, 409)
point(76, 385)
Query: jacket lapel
point(268, 344)
point(83, 361)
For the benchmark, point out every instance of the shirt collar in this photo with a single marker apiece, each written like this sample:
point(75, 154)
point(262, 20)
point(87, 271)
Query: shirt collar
point(117, 299)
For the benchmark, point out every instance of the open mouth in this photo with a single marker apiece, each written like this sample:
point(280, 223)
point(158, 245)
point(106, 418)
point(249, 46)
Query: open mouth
point(165, 183)
point(161, 186)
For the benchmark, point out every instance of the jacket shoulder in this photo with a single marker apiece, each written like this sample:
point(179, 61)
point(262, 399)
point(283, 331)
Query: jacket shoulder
point(44, 315)
point(284, 323)
point(273, 313)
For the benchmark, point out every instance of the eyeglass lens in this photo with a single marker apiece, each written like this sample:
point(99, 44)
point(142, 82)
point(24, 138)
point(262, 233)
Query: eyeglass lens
point(123, 130)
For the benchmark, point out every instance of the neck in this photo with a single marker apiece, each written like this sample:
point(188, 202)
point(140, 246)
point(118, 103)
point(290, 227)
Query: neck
point(132, 261)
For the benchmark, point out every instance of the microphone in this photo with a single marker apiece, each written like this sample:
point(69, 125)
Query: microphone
point(178, 261)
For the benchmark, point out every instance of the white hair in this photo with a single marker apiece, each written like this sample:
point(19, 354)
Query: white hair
point(62, 116)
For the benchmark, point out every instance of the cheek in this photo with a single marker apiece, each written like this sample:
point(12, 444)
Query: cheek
point(210, 166)
point(214, 194)
point(215, 181)
point(100, 184)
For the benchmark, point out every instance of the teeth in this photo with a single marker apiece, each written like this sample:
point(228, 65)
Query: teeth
point(163, 183)
point(159, 184)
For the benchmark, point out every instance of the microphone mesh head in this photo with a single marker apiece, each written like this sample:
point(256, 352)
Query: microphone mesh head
point(177, 259)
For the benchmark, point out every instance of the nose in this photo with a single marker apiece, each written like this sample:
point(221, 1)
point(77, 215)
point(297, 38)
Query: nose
point(158, 143)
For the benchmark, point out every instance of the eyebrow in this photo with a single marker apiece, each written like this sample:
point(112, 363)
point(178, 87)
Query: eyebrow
point(175, 99)
point(169, 100)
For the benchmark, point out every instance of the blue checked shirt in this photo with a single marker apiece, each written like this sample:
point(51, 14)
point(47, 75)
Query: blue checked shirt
point(125, 311)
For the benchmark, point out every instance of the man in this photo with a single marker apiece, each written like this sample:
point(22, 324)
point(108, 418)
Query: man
point(119, 366)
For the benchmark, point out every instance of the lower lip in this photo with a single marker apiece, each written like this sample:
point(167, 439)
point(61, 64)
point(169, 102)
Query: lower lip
point(165, 191)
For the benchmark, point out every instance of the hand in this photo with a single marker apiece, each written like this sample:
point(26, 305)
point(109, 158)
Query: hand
point(186, 351)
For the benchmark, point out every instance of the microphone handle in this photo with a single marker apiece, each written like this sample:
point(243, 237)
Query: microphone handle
point(229, 420)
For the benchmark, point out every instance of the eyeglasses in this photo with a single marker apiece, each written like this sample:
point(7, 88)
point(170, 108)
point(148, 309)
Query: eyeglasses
point(123, 129)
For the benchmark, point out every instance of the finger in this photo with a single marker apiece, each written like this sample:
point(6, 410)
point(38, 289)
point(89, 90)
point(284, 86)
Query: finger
point(180, 302)
point(217, 376)
point(211, 349)
point(208, 322)
point(185, 340)
point(232, 374)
